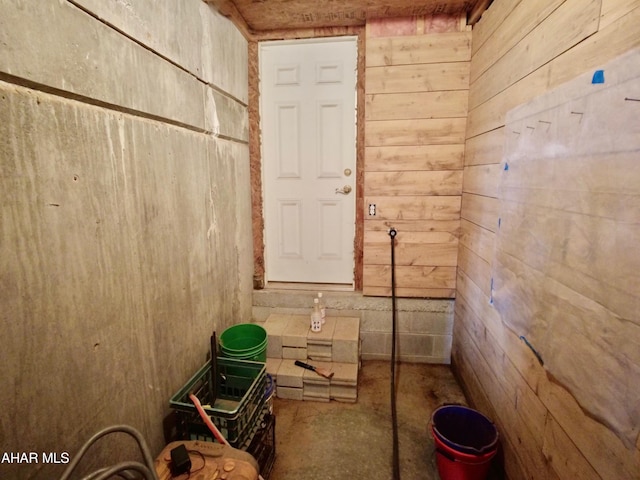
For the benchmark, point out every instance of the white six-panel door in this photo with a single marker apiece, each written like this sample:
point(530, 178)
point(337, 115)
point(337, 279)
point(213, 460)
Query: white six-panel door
point(308, 126)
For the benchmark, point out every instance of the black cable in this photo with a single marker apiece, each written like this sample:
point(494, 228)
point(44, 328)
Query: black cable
point(394, 414)
point(204, 463)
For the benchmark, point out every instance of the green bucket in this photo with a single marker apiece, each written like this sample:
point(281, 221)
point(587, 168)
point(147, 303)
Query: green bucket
point(245, 341)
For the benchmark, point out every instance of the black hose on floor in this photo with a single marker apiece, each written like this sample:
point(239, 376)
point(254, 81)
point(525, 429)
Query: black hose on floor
point(394, 414)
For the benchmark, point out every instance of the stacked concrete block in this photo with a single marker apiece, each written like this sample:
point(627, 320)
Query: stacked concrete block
point(289, 383)
point(275, 328)
point(272, 367)
point(316, 387)
point(320, 344)
point(335, 348)
point(344, 384)
point(346, 340)
point(294, 338)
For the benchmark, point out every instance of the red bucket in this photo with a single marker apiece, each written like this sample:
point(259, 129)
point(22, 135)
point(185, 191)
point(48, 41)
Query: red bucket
point(455, 465)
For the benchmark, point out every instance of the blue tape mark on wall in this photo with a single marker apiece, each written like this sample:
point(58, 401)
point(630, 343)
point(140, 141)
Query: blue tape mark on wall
point(598, 76)
point(506, 166)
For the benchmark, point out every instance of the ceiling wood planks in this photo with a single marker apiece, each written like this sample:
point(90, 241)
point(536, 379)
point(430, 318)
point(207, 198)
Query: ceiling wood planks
point(265, 15)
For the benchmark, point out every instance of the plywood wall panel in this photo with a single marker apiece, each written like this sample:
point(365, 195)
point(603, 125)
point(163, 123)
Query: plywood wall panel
point(409, 276)
point(430, 48)
point(520, 21)
point(422, 77)
point(409, 292)
point(413, 226)
point(475, 268)
point(528, 445)
point(613, 10)
point(485, 148)
point(523, 402)
point(411, 208)
point(607, 43)
point(491, 20)
point(562, 454)
point(574, 445)
point(482, 179)
point(482, 211)
point(416, 108)
point(414, 158)
point(488, 116)
point(577, 259)
point(477, 239)
point(419, 237)
point(597, 443)
point(406, 253)
point(436, 131)
point(464, 367)
point(399, 106)
point(439, 182)
point(574, 21)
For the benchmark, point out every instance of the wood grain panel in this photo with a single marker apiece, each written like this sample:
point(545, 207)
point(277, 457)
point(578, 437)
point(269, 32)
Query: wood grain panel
point(616, 39)
point(477, 239)
point(613, 10)
point(417, 225)
point(574, 444)
point(521, 21)
point(482, 180)
point(415, 207)
point(482, 211)
point(604, 450)
point(430, 48)
point(528, 449)
point(562, 454)
point(491, 21)
point(410, 292)
point(437, 131)
point(416, 108)
point(407, 237)
point(574, 21)
point(434, 254)
point(526, 408)
point(440, 182)
point(489, 115)
point(485, 148)
point(400, 106)
point(565, 267)
point(410, 276)
point(418, 157)
point(475, 268)
point(425, 77)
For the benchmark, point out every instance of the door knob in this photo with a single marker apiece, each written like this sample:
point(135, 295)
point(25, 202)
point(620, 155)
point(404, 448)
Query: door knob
point(344, 190)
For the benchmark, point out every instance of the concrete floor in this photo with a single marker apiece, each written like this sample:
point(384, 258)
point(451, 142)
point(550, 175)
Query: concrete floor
point(335, 440)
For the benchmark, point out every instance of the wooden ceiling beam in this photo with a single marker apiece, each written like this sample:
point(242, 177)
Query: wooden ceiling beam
point(476, 12)
point(228, 9)
point(253, 16)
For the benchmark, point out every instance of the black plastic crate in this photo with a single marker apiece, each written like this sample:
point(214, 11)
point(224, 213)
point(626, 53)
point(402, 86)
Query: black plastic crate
point(238, 407)
point(263, 445)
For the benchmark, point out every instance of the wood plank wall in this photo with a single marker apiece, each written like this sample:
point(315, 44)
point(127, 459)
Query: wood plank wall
point(520, 50)
point(416, 91)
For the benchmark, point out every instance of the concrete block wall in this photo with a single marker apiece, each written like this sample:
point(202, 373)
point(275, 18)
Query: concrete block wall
point(424, 325)
point(125, 232)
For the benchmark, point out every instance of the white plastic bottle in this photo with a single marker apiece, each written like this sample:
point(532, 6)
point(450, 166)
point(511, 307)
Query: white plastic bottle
point(316, 317)
point(323, 308)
